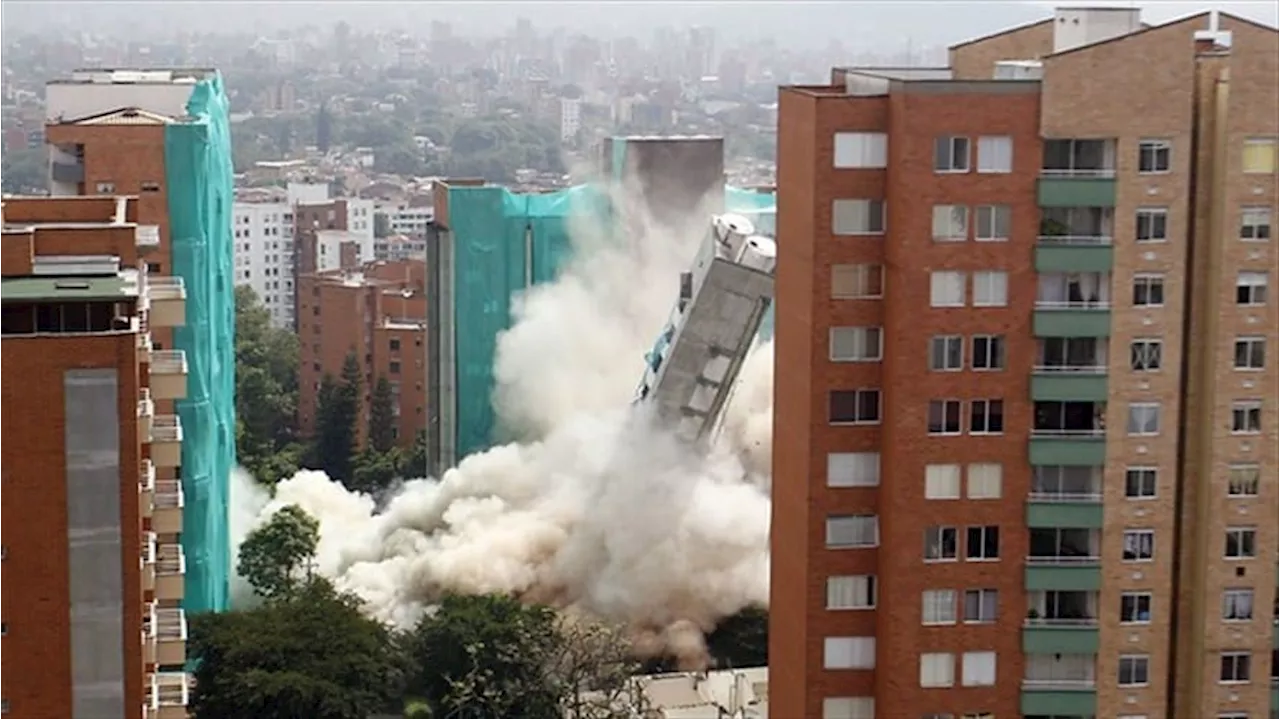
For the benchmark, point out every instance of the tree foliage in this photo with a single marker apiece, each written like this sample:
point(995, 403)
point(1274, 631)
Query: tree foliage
point(266, 391)
point(277, 558)
point(312, 655)
point(337, 411)
point(24, 170)
point(382, 417)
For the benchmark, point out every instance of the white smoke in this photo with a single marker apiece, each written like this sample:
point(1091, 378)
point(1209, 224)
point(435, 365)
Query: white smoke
point(596, 509)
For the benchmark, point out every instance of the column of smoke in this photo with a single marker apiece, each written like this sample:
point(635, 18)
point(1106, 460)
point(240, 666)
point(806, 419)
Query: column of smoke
point(595, 509)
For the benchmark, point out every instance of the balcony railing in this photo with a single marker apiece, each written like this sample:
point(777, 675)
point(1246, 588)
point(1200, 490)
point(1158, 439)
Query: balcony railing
point(166, 428)
point(1070, 369)
point(167, 695)
point(169, 494)
point(166, 288)
point(1068, 433)
point(1075, 240)
point(147, 235)
point(1063, 560)
point(1082, 683)
point(1098, 172)
point(168, 362)
point(1082, 622)
point(170, 624)
point(1073, 304)
point(170, 560)
point(1064, 497)
point(146, 407)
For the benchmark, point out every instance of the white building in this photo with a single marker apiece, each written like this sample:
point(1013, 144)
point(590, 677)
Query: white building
point(405, 220)
point(570, 118)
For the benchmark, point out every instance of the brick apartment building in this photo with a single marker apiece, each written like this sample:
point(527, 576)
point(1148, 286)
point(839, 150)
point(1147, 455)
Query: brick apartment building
point(92, 506)
point(378, 311)
point(1025, 421)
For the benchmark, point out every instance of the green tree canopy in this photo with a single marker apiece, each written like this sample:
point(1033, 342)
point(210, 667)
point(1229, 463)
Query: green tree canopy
point(24, 170)
point(266, 391)
point(277, 558)
point(337, 411)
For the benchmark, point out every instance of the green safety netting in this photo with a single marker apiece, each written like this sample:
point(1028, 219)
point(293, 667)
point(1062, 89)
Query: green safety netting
point(502, 243)
point(199, 181)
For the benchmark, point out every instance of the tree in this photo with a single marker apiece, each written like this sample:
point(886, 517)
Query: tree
point(741, 640)
point(277, 558)
point(382, 417)
point(312, 655)
point(24, 170)
point(337, 411)
point(266, 391)
point(413, 464)
point(374, 472)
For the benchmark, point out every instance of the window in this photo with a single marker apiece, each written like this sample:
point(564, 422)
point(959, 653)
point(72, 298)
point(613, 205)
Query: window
point(1135, 607)
point(1241, 543)
point(985, 480)
point(856, 591)
point(990, 289)
point(857, 217)
point(1259, 156)
point(845, 531)
point(1153, 156)
point(1153, 224)
point(938, 606)
point(867, 150)
point(946, 289)
point(946, 353)
point(940, 544)
point(1148, 290)
point(1144, 355)
point(854, 406)
point(857, 282)
point(150, 186)
point(937, 669)
point(1133, 670)
point(394, 367)
point(982, 543)
point(106, 188)
point(991, 223)
point(995, 154)
point(849, 653)
point(855, 344)
point(978, 669)
point(986, 416)
point(950, 223)
point(1242, 480)
point(1255, 224)
point(1251, 288)
point(1140, 482)
point(849, 708)
point(1237, 605)
point(942, 481)
point(1144, 419)
point(853, 469)
point(951, 154)
point(1235, 668)
point(944, 416)
point(1246, 416)
point(1139, 545)
point(980, 605)
point(1251, 352)
point(395, 344)
point(988, 352)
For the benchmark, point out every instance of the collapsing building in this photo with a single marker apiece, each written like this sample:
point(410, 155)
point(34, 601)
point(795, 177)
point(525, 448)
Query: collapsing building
point(487, 244)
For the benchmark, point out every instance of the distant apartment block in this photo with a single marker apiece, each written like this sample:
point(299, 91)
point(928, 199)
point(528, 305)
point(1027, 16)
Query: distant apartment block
point(1025, 448)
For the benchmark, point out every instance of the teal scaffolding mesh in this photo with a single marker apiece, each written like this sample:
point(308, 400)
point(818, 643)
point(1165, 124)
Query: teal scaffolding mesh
point(199, 183)
point(503, 243)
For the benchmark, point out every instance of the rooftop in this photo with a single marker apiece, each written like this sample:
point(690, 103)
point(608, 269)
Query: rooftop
point(136, 76)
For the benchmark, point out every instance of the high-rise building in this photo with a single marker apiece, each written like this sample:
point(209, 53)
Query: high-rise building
point(163, 136)
point(92, 454)
point(1024, 456)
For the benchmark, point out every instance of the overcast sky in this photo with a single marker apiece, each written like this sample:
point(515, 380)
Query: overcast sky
point(862, 24)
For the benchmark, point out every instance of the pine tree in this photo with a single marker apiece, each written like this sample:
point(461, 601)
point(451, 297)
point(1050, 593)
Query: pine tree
point(382, 417)
point(337, 412)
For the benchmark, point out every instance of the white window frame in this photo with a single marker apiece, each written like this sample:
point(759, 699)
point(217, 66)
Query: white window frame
point(1153, 218)
point(1149, 281)
point(1134, 662)
point(859, 276)
point(950, 223)
point(858, 393)
point(1255, 352)
point(860, 150)
point(855, 344)
point(850, 592)
point(942, 481)
point(995, 154)
point(863, 218)
point(1142, 543)
point(938, 607)
point(942, 286)
point(853, 469)
point(945, 407)
point(982, 593)
point(1237, 605)
point(955, 157)
point(947, 344)
point(935, 538)
point(1141, 474)
point(1256, 284)
point(849, 653)
point(979, 554)
point(987, 220)
point(1141, 418)
point(1246, 416)
point(1255, 223)
point(1146, 354)
point(863, 531)
point(849, 708)
point(1243, 479)
point(992, 283)
point(1241, 533)
point(937, 670)
point(1149, 152)
point(1134, 601)
point(990, 355)
point(984, 409)
point(1238, 660)
point(1251, 142)
point(984, 480)
point(978, 669)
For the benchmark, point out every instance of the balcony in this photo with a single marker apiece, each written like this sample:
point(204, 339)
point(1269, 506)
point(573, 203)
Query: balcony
point(1070, 433)
point(146, 414)
point(170, 626)
point(148, 562)
point(1078, 173)
point(1065, 496)
point(148, 640)
point(166, 441)
point(147, 236)
point(144, 338)
point(146, 489)
point(1063, 559)
point(168, 694)
point(166, 518)
point(1073, 304)
point(68, 172)
point(167, 301)
point(1060, 684)
point(1070, 368)
point(1075, 239)
point(168, 374)
point(1061, 622)
point(171, 571)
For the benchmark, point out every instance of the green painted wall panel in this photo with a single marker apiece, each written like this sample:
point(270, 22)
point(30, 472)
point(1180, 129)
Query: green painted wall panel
point(1074, 258)
point(1069, 386)
point(1072, 452)
point(1076, 191)
point(1048, 515)
point(1059, 640)
point(1059, 703)
point(1072, 323)
point(1063, 577)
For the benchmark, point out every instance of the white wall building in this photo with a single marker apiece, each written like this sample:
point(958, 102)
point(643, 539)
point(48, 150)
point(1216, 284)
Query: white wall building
point(264, 255)
point(405, 220)
point(570, 118)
